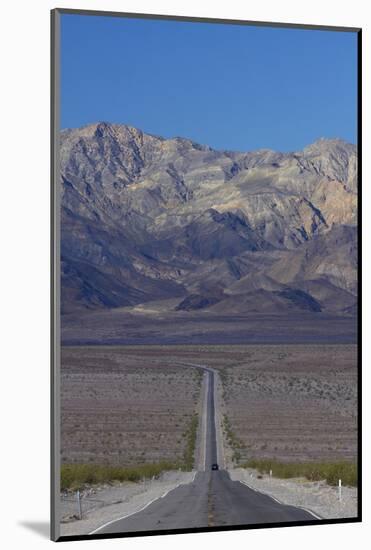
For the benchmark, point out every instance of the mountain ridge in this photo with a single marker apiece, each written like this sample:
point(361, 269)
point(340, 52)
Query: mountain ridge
point(146, 218)
point(106, 124)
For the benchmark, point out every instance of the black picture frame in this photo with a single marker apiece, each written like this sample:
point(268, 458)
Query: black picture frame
point(55, 266)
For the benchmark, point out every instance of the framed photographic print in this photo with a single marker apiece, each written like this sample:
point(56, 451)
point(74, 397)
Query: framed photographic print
point(206, 274)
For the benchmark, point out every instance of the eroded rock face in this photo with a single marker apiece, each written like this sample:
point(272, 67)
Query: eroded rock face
point(146, 218)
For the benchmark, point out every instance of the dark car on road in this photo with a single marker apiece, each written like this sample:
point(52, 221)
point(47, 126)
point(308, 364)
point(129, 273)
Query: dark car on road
point(214, 467)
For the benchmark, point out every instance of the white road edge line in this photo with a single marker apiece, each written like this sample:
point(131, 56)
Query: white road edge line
point(140, 509)
point(169, 490)
point(280, 502)
point(122, 517)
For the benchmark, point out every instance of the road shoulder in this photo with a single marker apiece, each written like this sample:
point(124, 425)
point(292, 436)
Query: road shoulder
point(123, 500)
point(318, 497)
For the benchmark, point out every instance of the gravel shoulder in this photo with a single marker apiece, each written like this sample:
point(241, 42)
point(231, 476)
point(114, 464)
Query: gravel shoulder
point(317, 497)
point(109, 503)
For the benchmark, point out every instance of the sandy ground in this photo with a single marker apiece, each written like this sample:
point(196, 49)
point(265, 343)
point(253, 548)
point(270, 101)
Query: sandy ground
point(118, 327)
point(119, 406)
point(105, 504)
point(291, 403)
point(317, 497)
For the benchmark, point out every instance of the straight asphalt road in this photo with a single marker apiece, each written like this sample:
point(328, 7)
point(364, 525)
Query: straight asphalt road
point(211, 500)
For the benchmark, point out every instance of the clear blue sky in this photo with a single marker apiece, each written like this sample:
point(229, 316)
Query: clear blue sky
point(231, 87)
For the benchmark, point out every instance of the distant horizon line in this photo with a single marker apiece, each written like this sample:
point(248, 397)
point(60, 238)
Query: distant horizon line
point(159, 136)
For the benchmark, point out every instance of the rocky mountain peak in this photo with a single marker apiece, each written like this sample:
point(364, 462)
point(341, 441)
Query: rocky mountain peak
point(147, 218)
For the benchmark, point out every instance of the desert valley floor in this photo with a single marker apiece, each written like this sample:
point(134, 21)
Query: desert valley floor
point(135, 404)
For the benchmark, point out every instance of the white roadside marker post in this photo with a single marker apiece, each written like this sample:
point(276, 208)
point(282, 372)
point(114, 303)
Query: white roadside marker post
point(79, 504)
point(340, 490)
point(270, 474)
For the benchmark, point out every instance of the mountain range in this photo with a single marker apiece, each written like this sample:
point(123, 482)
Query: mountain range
point(169, 225)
